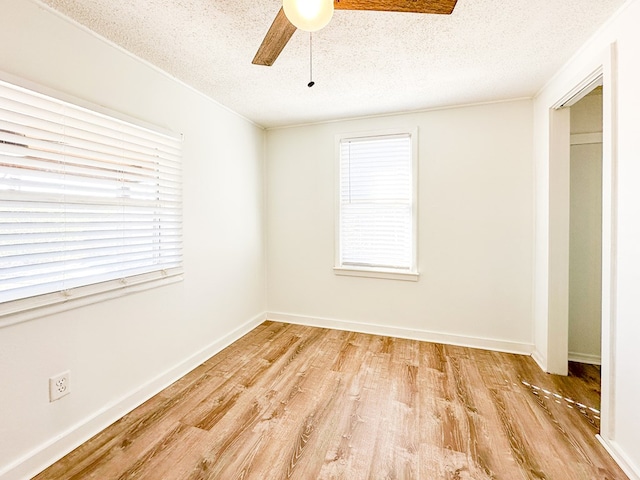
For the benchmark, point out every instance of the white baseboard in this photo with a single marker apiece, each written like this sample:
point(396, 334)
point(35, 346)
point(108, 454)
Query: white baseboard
point(424, 335)
point(49, 452)
point(539, 359)
point(573, 357)
point(628, 467)
point(585, 358)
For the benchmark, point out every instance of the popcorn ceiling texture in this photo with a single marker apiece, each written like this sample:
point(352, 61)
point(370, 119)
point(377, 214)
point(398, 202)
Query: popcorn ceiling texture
point(364, 63)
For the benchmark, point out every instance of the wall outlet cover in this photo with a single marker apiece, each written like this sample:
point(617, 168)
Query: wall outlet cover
point(59, 386)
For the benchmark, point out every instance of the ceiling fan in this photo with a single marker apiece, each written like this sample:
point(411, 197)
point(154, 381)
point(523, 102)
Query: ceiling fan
point(315, 14)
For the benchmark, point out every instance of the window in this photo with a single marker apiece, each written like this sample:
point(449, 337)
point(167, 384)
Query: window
point(376, 233)
point(85, 200)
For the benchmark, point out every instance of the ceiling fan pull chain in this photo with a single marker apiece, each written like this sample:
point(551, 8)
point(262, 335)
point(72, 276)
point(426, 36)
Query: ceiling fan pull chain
point(311, 82)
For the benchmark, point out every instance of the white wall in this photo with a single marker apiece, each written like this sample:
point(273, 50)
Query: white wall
point(123, 350)
point(585, 230)
point(475, 239)
point(475, 230)
point(621, 210)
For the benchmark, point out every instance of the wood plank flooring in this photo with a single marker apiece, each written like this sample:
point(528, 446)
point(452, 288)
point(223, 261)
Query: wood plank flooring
point(295, 402)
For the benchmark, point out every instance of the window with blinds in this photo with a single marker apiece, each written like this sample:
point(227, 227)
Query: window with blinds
point(376, 218)
point(85, 199)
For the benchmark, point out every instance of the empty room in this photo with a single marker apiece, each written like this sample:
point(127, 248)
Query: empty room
point(381, 239)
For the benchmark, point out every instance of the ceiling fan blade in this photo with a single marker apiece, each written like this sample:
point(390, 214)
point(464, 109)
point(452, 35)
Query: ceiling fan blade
point(274, 41)
point(414, 6)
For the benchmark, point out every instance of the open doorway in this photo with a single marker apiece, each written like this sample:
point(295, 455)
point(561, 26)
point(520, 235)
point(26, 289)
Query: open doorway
point(585, 243)
point(601, 72)
point(585, 230)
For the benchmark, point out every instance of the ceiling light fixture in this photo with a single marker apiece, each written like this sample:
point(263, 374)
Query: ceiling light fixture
point(308, 15)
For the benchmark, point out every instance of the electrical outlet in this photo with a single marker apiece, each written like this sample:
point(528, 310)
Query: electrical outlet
point(59, 386)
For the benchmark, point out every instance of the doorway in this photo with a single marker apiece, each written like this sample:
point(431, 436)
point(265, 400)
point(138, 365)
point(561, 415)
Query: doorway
point(554, 324)
point(585, 247)
point(585, 230)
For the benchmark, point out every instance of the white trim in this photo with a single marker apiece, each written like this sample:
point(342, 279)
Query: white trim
point(23, 310)
point(377, 273)
point(400, 332)
point(49, 452)
point(586, 138)
point(601, 71)
point(403, 112)
point(609, 241)
point(628, 467)
point(557, 218)
point(539, 359)
point(581, 89)
point(605, 61)
point(585, 358)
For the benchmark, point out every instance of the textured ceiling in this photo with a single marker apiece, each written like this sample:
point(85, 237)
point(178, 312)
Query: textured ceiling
point(364, 63)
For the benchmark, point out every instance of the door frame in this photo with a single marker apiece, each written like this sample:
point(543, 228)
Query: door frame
point(604, 73)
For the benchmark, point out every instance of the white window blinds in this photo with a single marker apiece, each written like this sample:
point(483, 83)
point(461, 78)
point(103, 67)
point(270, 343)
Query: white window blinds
point(84, 198)
point(376, 226)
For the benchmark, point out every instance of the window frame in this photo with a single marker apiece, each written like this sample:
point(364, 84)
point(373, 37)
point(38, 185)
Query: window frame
point(28, 308)
point(412, 274)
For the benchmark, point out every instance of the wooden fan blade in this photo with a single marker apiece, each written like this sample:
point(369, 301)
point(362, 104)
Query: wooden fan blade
point(444, 7)
point(274, 41)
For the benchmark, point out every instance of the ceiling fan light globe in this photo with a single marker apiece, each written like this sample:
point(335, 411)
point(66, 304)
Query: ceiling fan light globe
point(308, 15)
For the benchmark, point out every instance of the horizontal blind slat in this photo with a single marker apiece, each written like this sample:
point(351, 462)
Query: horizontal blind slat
point(84, 197)
point(376, 201)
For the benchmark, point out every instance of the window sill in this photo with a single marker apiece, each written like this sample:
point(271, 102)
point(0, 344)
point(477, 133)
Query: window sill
point(18, 311)
point(377, 273)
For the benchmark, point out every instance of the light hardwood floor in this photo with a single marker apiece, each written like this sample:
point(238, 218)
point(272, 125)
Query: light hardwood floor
point(295, 402)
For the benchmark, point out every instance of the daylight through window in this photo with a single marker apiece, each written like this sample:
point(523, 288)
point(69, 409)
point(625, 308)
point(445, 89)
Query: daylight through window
point(376, 217)
point(85, 199)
